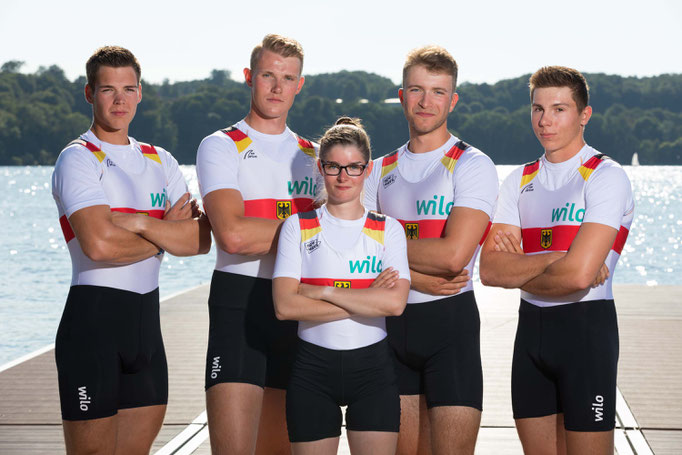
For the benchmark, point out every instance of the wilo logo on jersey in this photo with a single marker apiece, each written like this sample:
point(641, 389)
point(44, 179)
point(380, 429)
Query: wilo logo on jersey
point(159, 199)
point(598, 408)
point(437, 206)
point(83, 398)
point(306, 186)
point(215, 367)
point(366, 265)
point(567, 213)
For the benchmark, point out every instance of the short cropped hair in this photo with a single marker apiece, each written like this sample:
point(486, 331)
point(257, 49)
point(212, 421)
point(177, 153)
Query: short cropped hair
point(562, 76)
point(346, 131)
point(114, 56)
point(281, 45)
point(436, 59)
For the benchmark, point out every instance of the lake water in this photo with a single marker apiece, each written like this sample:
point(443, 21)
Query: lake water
point(36, 267)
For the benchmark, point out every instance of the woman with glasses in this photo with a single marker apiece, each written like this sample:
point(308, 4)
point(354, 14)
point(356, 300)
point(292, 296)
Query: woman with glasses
point(340, 270)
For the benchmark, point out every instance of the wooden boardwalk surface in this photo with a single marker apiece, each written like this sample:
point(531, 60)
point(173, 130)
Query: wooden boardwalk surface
point(650, 324)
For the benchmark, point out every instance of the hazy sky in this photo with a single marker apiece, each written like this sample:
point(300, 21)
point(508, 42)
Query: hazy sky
point(491, 40)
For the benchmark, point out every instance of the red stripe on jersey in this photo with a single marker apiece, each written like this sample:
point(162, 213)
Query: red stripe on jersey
point(593, 162)
point(354, 283)
point(153, 213)
point(304, 143)
point(308, 223)
point(619, 243)
point(456, 151)
point(374, 224)
point(235, 134)
point(267, 208)
point(148, 149)
point(485, 234)
point(531, 167)
point(66, 228)
point(561, 238)
point(428, 229)
point(389, 159)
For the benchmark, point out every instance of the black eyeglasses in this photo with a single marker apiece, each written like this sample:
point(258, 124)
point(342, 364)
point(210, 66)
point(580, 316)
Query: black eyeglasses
point(353, 169)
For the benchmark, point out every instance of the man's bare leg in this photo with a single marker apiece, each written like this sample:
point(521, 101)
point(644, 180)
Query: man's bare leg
point(542, 435)
point(233, 411)
point(137, 429)
point(90, 436)
point(589, 442)
point(328, 446)
point(273, 438)
point(372, 442)
point(454, 429)
point(414, 436)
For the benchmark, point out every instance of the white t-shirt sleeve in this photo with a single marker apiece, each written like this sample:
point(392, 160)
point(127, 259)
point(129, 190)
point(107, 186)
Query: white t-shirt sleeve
point(177, 186)
point(76, 180)
point(217, 164)
point(396, 249)
point(372, 185)
point(288, 261)
point(507, 211)
point(608, 196)
point(476, 183)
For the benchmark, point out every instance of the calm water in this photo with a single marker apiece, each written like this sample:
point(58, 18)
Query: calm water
point(36, 268)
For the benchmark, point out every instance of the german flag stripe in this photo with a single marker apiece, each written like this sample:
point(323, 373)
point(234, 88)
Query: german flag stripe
point(153, 213)
point(530, 170)
point(267, 208)
point(148, 151)
point(451, 157)
point(241, 140)
point(354, 283)
point(389, 163)
point(66, 228)
point(100, 155)
point(374, 227)
point(310, 225)
point(428, 229)
point(306, 146)
point(590, 165)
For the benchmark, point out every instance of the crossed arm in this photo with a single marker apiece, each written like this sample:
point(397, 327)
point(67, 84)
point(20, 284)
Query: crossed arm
point(120, 238)
point(293, 300)
point(504, 264)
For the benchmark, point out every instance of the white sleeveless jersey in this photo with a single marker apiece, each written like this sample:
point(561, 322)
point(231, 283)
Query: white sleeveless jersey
point(137, 178)
point(458, 176)
point(550, 218)
point(307, 253)
point(273, 173)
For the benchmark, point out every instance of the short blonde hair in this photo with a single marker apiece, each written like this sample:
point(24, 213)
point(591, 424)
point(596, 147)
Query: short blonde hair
point(281, 45)
point(435, 59)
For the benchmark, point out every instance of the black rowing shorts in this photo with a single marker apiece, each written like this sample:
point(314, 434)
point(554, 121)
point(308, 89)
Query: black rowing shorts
point(246, 342)
point(325, 379)
point(565, 360)
point(109, 352)
point(437, 346)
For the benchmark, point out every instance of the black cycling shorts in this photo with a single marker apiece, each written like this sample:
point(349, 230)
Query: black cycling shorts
point(565, 361)
point(109, 352)
point(246, 342)
point(324, 379)
point(437, 347)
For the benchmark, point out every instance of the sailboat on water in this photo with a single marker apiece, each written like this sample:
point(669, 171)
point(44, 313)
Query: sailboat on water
point(635, 159)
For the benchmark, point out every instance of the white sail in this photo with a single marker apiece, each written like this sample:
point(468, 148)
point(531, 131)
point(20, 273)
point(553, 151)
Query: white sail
point(635, 159)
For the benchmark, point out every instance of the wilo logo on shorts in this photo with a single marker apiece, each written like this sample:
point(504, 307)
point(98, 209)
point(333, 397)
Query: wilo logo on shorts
point(366, 265)
point(215, 367)
point(159, 199)
point(433, 207)
point(561, 213)
point(83, 398)
point(598, 408)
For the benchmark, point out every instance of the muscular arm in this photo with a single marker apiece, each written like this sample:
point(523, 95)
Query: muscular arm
point(438, 285)
point(234, 232)
point(102, 241)
point(452, 252)
point(181, 232)
point(290, 305)
point(579, 268)
point(508, 269)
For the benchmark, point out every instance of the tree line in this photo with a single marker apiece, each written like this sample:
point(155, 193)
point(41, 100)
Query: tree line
point(43, 111)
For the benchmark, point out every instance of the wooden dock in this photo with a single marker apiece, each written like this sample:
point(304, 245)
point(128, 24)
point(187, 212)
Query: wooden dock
point(649, 413)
